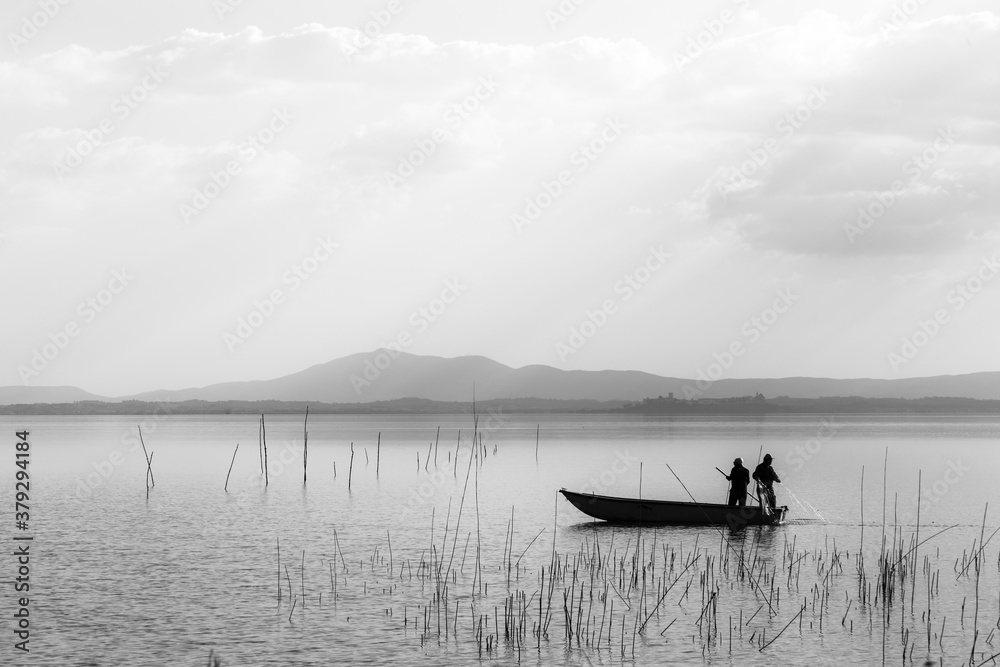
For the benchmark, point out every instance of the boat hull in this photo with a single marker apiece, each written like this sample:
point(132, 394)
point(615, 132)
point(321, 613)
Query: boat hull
point(642, 511)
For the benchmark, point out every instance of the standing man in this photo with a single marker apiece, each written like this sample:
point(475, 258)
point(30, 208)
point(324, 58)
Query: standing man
point(766, 477)
point(740, 478)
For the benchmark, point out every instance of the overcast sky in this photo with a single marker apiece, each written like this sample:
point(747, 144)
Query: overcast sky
point(196, 192)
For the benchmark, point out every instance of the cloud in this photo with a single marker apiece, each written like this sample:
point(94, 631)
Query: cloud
point(890, 104)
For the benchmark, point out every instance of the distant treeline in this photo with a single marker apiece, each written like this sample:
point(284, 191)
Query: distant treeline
point(402, 406)
point(826, 405)
point(743, 405)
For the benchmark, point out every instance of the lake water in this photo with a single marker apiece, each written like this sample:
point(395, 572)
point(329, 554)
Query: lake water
point(378, 564)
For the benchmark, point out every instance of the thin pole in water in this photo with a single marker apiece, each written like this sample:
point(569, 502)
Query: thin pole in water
point(263, 435)
point(149, 461)
point(150, 465)
point(305, 453)
point(350, 470)
point(226, 487)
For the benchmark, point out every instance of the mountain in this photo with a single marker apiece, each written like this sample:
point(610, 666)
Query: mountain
point(21, 394)
point(379, 376)
point(383, 375)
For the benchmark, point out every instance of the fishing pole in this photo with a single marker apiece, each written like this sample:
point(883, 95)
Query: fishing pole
point(729, 490)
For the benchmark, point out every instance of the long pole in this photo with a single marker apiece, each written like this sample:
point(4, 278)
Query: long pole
point(263, 438)
point(226, 487)
point(149, 461)
point(305, 446)
point(350, 469)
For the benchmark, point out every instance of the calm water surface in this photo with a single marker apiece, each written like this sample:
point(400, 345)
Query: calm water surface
point(119, 578)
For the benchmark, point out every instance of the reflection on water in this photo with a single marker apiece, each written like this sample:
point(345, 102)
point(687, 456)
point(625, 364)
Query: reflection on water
point(441, 554)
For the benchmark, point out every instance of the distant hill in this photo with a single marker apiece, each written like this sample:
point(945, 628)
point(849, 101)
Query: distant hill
point(357, 379)
point(744, 406)
point(20, 394)
point(402, 406)
point(380, 376)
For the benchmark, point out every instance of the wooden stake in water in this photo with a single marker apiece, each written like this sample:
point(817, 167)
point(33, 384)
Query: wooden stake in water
point(305, 454)
point(389, 539)
point(537, 428)
point(149, 462)
point(226, 487)
point(263, 435)
point(378, 453)
point(350, 471)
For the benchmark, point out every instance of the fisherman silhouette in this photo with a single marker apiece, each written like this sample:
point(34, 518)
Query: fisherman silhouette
point(766, 477)
point(740, 478)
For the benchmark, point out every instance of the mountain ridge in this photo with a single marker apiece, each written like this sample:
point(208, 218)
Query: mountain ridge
point(383, 375)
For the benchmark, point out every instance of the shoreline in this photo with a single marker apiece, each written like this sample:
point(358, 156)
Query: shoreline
point(658, 407)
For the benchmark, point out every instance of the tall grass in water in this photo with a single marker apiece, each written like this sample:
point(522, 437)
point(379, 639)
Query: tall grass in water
point(618, 593)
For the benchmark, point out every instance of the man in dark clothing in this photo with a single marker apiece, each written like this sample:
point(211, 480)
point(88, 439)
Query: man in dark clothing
point(766, 477)
point(740, 478)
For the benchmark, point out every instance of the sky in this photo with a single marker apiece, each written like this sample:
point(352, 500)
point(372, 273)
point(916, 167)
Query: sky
point(208, 191)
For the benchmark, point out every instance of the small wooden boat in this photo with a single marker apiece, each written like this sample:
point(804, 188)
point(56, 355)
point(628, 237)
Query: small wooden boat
point(637, 511)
